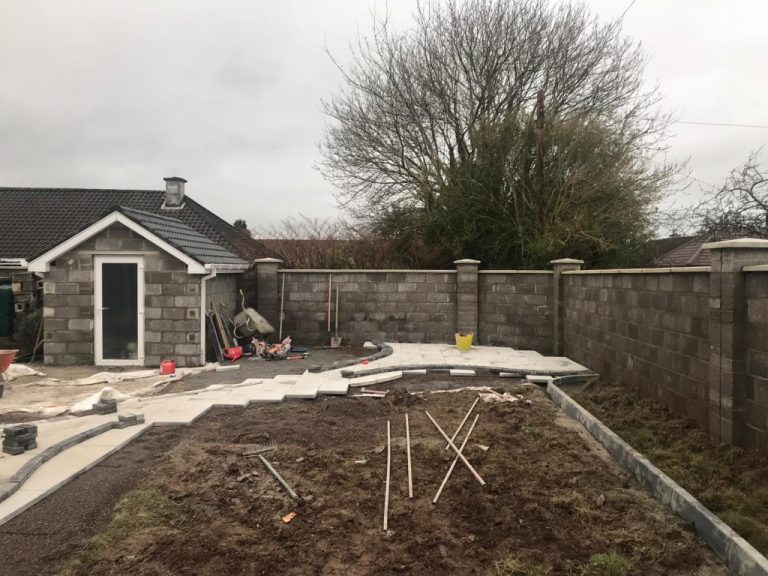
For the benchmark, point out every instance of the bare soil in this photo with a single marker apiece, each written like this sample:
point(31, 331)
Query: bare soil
point(554, 503)
point(731, 482)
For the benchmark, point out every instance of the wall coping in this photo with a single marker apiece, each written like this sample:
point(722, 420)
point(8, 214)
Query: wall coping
point(643, 270)
point(466, 261)
point(516, 272)
point(755, 268)
point(566, 261)
point(268, 261)
point(737, 243)
point(360, 271)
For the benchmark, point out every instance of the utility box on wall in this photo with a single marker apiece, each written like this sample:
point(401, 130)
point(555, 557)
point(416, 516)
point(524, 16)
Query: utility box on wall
point(6, 311)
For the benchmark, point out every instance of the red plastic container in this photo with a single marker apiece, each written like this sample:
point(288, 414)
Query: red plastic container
point(6, 357)
point(167, 367)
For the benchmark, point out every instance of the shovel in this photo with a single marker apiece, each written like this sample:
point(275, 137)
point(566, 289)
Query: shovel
point(336, 340)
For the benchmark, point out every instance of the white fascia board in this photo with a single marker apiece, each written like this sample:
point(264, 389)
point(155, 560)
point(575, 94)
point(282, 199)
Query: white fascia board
point(43, 263)
point(227, 268)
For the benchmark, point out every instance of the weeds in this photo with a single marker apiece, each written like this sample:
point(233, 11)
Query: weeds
point(138, 511)
point(610, 564)
point(731, 482)
point(513, 566)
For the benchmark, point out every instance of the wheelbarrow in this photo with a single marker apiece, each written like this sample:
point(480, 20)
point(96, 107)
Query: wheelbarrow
point(6, 357)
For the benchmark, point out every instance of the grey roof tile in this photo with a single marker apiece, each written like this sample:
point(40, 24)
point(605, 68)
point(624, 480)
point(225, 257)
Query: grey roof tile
point(181, 236)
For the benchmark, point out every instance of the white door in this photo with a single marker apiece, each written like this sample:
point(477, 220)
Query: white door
point(119, 310)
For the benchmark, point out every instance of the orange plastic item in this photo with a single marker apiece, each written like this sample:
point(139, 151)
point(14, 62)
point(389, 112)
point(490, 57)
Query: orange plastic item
point(232, 353)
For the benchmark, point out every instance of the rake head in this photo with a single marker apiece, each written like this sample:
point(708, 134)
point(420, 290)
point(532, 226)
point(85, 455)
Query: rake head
point(260, 448)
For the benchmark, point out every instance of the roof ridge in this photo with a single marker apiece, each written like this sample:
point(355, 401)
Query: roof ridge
point(73, 189)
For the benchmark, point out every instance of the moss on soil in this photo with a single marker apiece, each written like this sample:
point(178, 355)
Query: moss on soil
point(731, 482)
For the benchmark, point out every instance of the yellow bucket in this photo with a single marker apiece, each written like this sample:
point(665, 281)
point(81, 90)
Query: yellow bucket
point(464, 342)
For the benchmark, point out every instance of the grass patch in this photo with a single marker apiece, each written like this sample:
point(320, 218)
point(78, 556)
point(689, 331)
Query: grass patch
point(138, 512)
point(611, 564)
point(730, 481)
point(513, 566)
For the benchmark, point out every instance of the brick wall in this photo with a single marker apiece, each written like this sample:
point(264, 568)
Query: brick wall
point(172, 302)
point(646, 329)
point(399, 306)
point(516, 309)
point(756, 400)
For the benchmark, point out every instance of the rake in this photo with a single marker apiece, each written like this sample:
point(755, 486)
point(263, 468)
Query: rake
point(260, 448)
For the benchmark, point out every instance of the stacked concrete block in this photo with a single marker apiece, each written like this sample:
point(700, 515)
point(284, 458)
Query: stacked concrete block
point(644, 327)
point(171, 302)
point(402, 306)
point(130, 419)
point(737, 415)
point(466, 302)
point(19, 438)
point(105, 407)
point(516, 309)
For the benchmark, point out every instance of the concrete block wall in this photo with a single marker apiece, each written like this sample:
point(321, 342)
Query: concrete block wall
point(649, 329)
point(399, 306)
point(172, 302)
point(756, 393)
point(516, 309)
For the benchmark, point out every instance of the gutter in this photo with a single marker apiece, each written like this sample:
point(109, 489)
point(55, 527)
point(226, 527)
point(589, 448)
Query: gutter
point(203, 299)
point(13, 263)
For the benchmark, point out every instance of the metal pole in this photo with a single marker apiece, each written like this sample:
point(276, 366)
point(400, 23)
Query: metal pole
point(458, 452)
point(453, 464)
point(408, 447)
point(462, 422)
point(386, 489)
point(279, 478)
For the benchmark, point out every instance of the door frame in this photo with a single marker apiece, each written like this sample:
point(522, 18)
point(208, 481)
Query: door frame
point(98, 329)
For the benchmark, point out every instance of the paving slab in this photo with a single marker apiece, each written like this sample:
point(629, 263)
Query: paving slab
point(336, 386)
point(372, 379)
point(48, 434)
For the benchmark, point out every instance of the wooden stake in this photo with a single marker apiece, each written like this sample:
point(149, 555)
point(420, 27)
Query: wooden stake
point(458, 452)
point(408, 448)
point(453, 464)
point(329, 304)
point(282, 303)
point(386, 489)
point(463, 422)
point(336, 327)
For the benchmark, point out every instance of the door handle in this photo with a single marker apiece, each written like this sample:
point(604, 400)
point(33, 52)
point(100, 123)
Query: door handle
point(107, 308)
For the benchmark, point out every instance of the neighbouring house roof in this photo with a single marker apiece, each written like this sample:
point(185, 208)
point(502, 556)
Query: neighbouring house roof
point(189, 241)
point(688, 253)
point(33, 220)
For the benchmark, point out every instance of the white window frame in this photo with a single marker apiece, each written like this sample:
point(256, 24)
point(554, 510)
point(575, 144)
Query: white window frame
point(98, 329)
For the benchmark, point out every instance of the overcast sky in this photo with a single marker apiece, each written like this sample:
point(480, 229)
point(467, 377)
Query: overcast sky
point(225, 93)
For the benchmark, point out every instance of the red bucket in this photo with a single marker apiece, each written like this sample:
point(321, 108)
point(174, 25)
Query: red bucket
point(167, 367)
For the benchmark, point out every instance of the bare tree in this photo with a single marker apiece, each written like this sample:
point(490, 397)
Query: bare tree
point(423, 107)
point(739, 207)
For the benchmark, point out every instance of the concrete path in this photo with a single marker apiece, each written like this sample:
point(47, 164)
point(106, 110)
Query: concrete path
point(186, 407)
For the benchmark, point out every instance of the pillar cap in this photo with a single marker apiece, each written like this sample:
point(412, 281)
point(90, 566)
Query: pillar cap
point(268, 261)
point(566, 261)
point(466, 261)
point(737, 243)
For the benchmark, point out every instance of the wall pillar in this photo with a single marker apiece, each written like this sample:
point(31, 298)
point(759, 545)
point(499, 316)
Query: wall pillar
point(267, 289)
point(466, 297)
point(558, 312)
point(728, 382)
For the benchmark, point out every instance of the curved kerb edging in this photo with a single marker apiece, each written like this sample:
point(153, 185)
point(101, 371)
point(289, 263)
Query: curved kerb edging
point(383, 351)
point(437, 368)
point(738, 554)
point(34, 463)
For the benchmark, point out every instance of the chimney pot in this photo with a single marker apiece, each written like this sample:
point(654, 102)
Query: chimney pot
point(174, 192)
